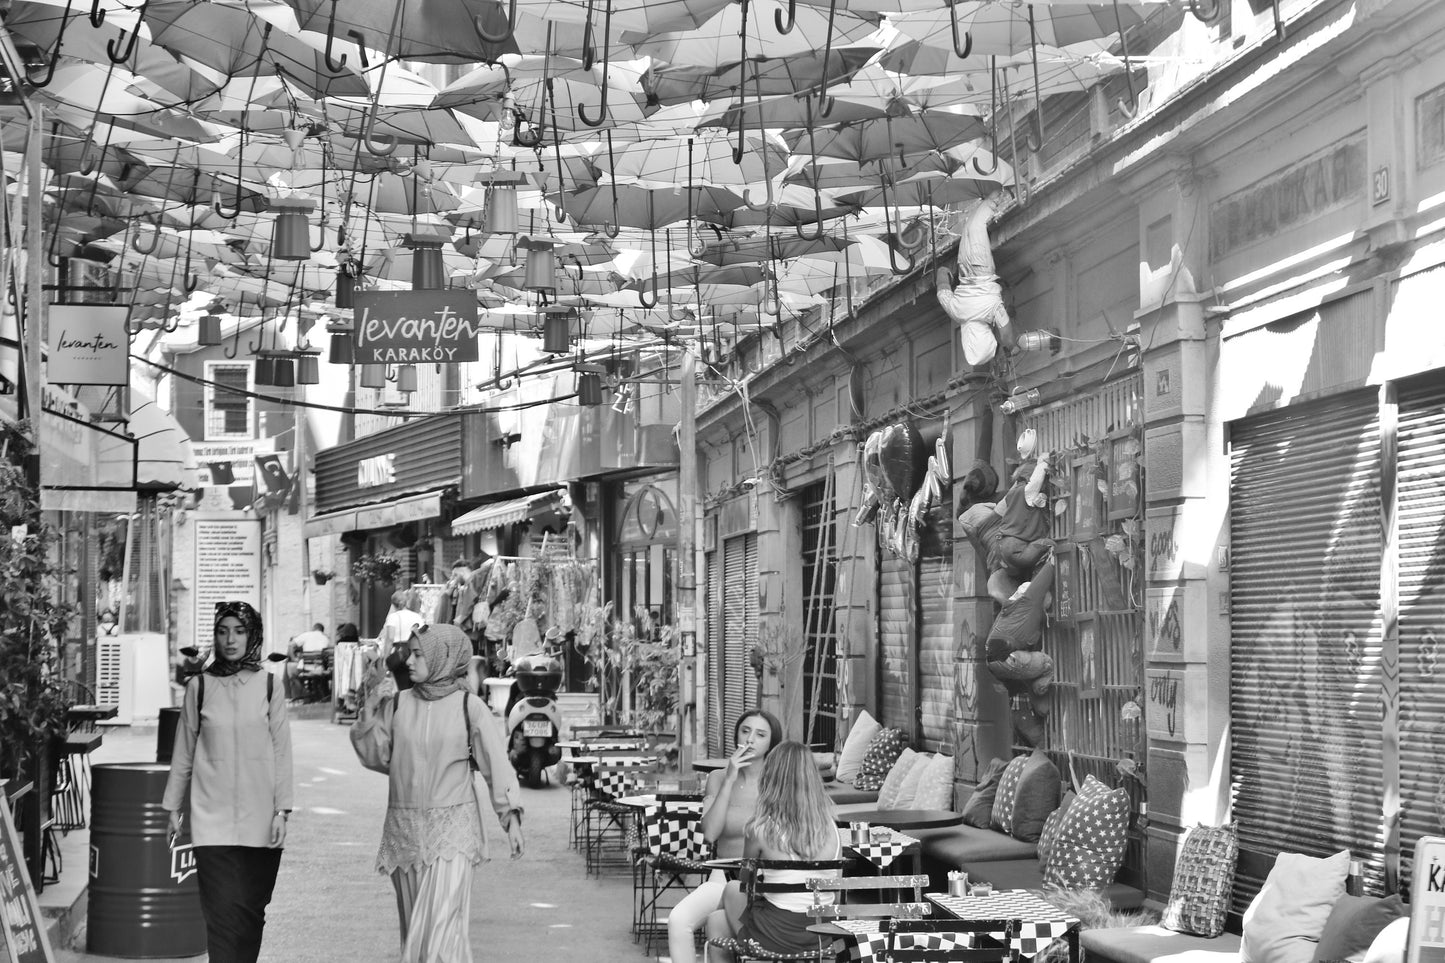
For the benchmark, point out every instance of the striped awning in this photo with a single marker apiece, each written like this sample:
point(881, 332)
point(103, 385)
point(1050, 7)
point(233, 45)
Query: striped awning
point(498, 514)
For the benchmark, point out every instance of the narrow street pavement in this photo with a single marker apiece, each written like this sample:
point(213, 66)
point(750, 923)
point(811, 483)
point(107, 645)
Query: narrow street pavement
point(331, 905)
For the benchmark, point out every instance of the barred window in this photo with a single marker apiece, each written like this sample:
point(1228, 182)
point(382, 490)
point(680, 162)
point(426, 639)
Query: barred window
point(228, 412)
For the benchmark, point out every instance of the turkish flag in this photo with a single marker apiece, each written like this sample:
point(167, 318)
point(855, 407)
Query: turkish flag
point(221, 473)
point(272, 473)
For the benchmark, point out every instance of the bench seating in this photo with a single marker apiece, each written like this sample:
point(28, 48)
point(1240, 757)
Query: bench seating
point(843, 794)
point(1146, 944)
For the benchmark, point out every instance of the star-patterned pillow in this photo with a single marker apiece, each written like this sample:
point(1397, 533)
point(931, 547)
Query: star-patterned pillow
point(882, 753)
point(1051, 828)
point(1089, 847)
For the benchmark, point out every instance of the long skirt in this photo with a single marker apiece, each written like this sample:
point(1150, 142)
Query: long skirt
point(433, 902)
point(236, 883)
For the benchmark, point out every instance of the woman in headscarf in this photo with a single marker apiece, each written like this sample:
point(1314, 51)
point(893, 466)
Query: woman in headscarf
point(232, 763)
point(429, 739)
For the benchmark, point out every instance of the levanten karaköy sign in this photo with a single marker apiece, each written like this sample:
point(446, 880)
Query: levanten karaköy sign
point(402, 327)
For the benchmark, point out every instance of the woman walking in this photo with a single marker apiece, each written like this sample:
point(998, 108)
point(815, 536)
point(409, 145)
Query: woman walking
point(232, 762)
point(793, 820)
point(727, 805)
point(429, 739)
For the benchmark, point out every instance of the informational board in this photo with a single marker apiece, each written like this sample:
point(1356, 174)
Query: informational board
point(22, 931)
point(1426, 942)
point(228, 567)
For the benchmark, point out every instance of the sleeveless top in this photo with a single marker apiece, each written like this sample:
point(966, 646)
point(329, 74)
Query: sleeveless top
point(799, 902)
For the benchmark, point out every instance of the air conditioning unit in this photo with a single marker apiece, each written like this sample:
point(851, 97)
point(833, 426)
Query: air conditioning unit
point(132, 673)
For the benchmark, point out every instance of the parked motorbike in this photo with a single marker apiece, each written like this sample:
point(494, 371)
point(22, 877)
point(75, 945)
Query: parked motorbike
point(534, 721)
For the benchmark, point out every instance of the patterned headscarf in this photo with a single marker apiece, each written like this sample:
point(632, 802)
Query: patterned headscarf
point(448, 652)
point(251, 660)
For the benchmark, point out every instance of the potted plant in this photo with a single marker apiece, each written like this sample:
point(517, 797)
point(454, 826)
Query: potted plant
point(322, 575)
point(377, 567)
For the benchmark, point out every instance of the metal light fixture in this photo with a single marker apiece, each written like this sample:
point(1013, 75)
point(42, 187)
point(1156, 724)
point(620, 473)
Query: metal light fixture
point(343, 348)
point(556, 332)
point(284, 375)
point(373, 376)
point(345, 290)
point(265, 370)
point(1043, 339)
point(209, 332)
point(406, 378)
point(541, 271)
point(308, 367)
point(291, 238)
point(589, 389)
point(427, 270)
point(501, 215)
point(1019, 401)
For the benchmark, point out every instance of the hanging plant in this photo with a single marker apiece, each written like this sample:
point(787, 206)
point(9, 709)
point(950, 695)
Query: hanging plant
point(322, 575)
point(379, 567)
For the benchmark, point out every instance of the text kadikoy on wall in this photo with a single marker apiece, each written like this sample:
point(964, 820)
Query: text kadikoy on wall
point(409, 327)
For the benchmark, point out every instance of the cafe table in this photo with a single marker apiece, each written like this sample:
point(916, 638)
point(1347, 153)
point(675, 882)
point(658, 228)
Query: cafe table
point(709, 764)
point(882, 847)
point(901, 818)
point(1041, 922)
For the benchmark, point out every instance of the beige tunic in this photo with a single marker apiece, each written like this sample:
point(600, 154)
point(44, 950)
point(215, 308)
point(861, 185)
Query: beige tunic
point(239, 773)
point(432, 811)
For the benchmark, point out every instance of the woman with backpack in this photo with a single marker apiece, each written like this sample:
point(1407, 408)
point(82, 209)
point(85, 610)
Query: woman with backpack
point(430, 739)
point(232, 763)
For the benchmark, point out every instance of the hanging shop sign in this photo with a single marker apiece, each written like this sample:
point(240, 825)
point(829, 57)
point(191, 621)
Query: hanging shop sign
point(1426, 942)
point(648, 518)
point(407, 327)
point(89, 344)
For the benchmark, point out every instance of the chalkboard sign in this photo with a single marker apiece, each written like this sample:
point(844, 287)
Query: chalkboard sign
point(23, 931)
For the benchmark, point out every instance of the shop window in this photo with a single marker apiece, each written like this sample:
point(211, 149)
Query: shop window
point(229, 413)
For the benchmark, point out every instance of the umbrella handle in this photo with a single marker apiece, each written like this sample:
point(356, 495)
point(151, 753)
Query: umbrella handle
point(382, 147)
point(1034, 138)
point(505, 34)
point(992, 121)
point(1130, 108)
point(97, 15)
point(967, 47)
point(606, 66)
point(113, 52)
point(642, 300)
point(55, 53)
point(155, 238)
point(825, 103)
point(785, 27)
point(333, 63)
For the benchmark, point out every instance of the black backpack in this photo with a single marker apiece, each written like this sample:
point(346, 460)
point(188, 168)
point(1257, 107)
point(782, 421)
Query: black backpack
point(201, 698)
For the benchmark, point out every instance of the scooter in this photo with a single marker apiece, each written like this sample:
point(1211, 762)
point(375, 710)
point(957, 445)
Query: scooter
point(534, 722)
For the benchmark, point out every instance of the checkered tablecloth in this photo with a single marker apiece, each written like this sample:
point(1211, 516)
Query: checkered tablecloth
point(1041, 922)
point(869, 941)
point(613, 780)
point(879, 852)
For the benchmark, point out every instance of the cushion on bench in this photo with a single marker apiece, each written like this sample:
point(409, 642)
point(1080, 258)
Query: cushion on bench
point(1026, 874)
point(1155, 944)
point(843, 794)
point(960, 846)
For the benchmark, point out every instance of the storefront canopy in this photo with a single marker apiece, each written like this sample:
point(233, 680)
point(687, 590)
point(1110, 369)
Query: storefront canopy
point(506, 513)
point(372, 517)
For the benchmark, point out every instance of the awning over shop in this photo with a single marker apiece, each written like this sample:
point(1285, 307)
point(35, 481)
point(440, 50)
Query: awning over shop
point(507, 513)
point(367, 518)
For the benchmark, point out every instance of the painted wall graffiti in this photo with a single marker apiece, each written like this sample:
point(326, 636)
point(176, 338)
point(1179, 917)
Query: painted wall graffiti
point(1163, 620)
point(1163, 708)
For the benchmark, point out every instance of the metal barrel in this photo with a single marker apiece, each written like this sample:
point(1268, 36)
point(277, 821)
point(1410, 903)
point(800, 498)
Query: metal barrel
point(166, 733)
point(144, 900)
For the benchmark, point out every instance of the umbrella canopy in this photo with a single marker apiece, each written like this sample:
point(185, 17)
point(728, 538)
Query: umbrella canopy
point(890, 138)
point(437, 31)
point(677, 83)
point(626, 205)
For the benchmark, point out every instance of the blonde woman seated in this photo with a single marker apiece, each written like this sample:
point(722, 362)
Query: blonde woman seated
point(793, 820)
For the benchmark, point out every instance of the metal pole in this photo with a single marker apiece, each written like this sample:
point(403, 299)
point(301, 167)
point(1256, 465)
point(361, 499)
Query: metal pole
point(34, 331)
point(687, 521)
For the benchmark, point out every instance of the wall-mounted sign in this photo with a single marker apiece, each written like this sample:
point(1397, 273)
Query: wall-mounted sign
point(227, 565)
point(376, 471)
point(22, 930)
point(405, 327)
point(89, 344)
point(648, 518)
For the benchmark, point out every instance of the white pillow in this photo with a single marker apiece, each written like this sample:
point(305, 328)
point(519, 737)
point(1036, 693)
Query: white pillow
point(935, 789)
point(855, 747)
point(909, 789)
point(1284, 922)
point(906, 762)
point(1389, 944)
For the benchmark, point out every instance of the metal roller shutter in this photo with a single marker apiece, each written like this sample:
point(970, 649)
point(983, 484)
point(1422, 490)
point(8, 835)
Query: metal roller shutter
point(935, 652)
point(1420, 510)
point(897, 608)
point(734, 646)
point(1306, 635)
point(715, 710)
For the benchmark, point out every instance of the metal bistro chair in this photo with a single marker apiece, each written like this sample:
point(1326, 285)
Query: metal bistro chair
point(756, 886)
point(845, 889)
point(951, 941)
point(670, 862)
point(607, 821)
point(613, 742)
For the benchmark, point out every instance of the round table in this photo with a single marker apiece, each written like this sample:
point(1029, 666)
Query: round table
point(901, 818)
point(708, 765)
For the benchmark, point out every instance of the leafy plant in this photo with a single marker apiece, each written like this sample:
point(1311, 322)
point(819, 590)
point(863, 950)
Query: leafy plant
point(640, 651)
point(378, 567)
point(33, 697)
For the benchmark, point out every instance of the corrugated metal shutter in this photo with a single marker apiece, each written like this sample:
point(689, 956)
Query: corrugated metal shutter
point(1421, 513)
point(715, 708)
point(739, 684)
point(1305, 531)
point(935, 651)
point(897, 616)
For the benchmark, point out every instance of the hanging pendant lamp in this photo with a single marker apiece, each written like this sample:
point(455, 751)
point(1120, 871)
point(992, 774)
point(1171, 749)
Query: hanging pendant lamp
point(501, 215)
point(557, 332)
point(541, 271)
point(284, 375)
point(406, 378)
point(265, 370)
point(291, 238)
point(209, 332)
point(373, 376)
point(345, 290)
point(589, 390)
point(427, 270)
point(308, 368)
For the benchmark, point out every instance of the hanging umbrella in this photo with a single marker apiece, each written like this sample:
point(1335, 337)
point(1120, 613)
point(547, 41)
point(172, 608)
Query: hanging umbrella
point(1005, 29)
point(890, 138)
point(435, 31)
point(701, 160)
point(625, 205)
point(847, 176)
point(718, 43)
point(790, 112)
point(758, 248)
point(924, 192)
point(409, 125)
point(676, 83)
point(239, 43)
